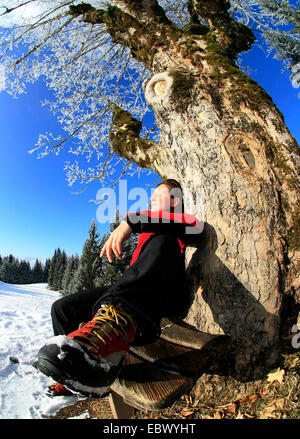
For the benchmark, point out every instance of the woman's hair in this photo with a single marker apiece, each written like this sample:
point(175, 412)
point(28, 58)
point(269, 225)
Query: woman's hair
point(175, 190)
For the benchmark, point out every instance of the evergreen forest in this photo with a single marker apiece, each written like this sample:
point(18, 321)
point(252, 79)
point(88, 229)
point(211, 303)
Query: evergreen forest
point(74, 273)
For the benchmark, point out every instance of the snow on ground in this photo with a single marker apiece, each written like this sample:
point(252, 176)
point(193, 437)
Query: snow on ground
point(25, 325)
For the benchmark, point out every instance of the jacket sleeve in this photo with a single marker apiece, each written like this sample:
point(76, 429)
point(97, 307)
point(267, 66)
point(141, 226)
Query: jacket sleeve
point(179, 224)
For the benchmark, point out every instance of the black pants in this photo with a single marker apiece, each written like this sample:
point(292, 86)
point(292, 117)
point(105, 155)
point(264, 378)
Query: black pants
point(151, 288)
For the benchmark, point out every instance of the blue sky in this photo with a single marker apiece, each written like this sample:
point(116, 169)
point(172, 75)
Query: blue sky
point(38, 212)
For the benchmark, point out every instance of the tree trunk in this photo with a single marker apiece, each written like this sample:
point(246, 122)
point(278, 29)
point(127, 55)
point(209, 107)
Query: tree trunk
point(238, 164)
point(223, 138)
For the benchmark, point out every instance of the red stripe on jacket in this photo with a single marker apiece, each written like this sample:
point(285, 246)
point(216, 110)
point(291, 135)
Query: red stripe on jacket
point(143, 238)
point(140, 222)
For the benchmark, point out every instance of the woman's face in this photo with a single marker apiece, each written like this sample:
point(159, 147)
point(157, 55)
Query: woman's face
point(161, 199)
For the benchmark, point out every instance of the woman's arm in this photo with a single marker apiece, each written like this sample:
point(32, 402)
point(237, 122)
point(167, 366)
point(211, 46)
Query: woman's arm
point(147, 221)
point(164, 222)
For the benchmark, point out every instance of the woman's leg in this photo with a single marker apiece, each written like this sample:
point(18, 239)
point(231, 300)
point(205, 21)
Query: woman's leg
point(69, 311)
point(153, 287)
point(89, 359)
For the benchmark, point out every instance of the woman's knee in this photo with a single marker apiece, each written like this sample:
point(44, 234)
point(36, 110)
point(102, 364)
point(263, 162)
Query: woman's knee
point(58, 307)
point(54, 309)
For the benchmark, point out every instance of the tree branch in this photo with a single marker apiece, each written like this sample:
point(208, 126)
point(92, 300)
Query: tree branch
point(125, 140)
point(142, 26)
point(232, 36)
point(9, 10)
point(146, 11)
point(215, 12)
point(35, 48)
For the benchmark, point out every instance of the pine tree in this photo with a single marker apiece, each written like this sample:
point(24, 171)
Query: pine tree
point(52, 269)
point(90, 262)
point(37, 272)
point(111, 272)
point(68, 278)
point(16, 272)
point(107, 271)
point(57, 268)
point(25, 272)
point(75, 285)
point(46, 270)
point(11, 258)
point(62, 263)
point(6, 271)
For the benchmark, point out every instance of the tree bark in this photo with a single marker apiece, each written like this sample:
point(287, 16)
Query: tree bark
point(226, 142)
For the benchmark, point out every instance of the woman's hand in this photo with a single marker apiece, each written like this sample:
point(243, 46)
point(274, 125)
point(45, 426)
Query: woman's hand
point(115, 241)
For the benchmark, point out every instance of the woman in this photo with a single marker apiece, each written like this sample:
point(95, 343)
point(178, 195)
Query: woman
point(129, 312)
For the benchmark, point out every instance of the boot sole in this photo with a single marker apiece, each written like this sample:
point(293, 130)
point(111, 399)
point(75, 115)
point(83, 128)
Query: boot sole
point(73, 371)
point(51, 370)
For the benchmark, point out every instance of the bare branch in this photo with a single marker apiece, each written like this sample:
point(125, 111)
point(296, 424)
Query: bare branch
point(44, 41)
point(9, 10)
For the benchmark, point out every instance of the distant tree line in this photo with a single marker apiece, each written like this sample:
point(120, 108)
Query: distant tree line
point(71, 274)
point(15, 271)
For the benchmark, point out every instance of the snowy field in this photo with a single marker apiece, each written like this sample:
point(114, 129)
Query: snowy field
point(25, 324)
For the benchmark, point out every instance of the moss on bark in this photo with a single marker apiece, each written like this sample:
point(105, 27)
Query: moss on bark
point(125, 140)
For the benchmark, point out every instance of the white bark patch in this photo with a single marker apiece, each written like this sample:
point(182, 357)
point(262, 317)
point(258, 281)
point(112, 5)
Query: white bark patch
point(131, 31)
point(158, 88)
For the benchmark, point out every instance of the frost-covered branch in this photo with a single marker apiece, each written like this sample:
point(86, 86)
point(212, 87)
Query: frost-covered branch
point(95, 55)
point(86, 73)
point(14, 8)
point(279, 23)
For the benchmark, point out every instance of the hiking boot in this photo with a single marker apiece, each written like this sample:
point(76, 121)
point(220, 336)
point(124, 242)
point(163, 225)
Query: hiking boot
point(88, 360)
